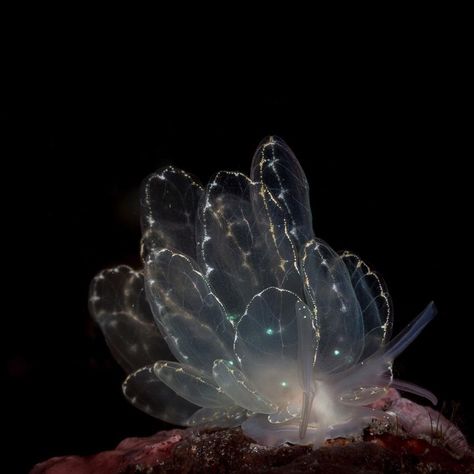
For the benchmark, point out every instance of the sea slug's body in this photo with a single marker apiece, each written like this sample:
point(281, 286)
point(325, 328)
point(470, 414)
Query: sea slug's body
point(241, 316)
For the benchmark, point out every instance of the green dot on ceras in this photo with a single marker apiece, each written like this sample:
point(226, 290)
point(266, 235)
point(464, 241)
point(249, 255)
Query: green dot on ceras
point(269, 331)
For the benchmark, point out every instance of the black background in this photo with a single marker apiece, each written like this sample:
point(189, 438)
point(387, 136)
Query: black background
point(382, 134)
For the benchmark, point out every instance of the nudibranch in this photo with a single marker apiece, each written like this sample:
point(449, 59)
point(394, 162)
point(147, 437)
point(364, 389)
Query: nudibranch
point(241, 316)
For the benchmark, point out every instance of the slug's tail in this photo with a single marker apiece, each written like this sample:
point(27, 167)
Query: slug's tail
point(361, 384)
point(410, 387)
point(399, 343)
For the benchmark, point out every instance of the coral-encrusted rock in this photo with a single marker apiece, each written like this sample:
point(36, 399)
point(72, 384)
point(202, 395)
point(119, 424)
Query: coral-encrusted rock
point(130, 452)
point(229, 451)
point(423, 422)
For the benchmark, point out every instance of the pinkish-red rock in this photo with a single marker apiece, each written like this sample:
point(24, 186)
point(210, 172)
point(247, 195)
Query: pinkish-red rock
point(229, 451)
point(418, 421)
point(148, 452)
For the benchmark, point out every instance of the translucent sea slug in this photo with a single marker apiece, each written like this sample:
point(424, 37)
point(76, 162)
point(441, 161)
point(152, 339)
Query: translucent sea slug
point(241, 316)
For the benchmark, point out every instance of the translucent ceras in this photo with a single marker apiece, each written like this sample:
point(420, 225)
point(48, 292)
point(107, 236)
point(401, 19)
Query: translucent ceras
point(241, 316)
